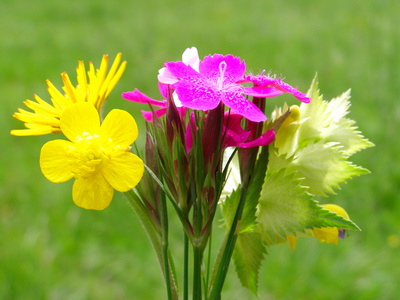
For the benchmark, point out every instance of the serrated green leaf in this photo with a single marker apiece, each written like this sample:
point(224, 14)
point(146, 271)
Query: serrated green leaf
point(313, 115)
point(286, 207)
point(248, 254)
point(324, 167)
point(342, 130)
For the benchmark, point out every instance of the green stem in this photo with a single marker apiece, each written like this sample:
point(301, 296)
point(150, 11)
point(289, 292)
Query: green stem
point(186, 268)
point(197, 261)
point(164, 243)
point(154, 237)
point(228, 251)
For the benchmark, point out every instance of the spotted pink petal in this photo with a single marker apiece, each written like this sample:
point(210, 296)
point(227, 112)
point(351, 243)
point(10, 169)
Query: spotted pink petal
point(265, 81)
point(197, 96)
point(210, 68)
point(244, 107)
point(261, 91)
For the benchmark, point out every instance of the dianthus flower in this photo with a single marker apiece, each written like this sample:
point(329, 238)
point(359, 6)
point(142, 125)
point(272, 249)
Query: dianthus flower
point(97, 155)
point(202, 85)
point(45, 117)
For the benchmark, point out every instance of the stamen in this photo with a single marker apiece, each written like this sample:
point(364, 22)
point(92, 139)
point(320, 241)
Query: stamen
point(222, 69)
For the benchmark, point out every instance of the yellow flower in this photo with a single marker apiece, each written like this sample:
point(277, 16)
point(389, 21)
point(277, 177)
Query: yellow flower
point(97, 155)
point(45, 117)
point(329, 235)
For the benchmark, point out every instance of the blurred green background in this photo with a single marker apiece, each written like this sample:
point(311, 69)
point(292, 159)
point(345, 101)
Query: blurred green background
point(51, 249)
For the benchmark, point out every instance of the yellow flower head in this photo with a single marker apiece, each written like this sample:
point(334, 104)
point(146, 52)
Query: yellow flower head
point(45, 117)
point(96, 155)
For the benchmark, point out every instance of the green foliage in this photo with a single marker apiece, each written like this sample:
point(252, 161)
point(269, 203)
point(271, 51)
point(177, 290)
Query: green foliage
point(286, 207)
point(318, 144)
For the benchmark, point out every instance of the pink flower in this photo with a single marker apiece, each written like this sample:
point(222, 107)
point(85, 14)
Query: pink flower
point(217, 80)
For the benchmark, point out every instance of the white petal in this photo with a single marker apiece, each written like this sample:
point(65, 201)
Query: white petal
point(191, 58)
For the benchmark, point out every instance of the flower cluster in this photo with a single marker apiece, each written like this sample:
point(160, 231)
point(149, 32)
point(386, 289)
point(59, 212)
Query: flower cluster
point(209, 145)
point(97, 156)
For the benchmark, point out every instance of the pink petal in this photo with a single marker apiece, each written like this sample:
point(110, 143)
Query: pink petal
point(234, 133)
point(148, 115)
point(139, 97)
point(197, 96)
point(210, 67)
point(261, 91)
point(244, 107)
point(265, 139)
point(180, 70)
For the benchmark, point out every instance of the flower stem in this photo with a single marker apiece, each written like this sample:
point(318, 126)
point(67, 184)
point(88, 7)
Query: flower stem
point(186, 268)
point(164, 243)
point(155, 239)
point(228, 251)
point(197, 261)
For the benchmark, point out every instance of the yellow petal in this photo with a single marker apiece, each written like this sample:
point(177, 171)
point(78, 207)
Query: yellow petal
point(292, 240)
point(93, 192)
point(120, 127)
point(54, 161)
point(329, 235)
point(123, 171)
point(78, 119)
point(336, 209)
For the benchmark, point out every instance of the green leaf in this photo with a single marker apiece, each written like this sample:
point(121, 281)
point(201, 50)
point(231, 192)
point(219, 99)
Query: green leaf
point(342, 130)
point(286, 207)
point(324, 167)
point(229, 206)
point(248, 254)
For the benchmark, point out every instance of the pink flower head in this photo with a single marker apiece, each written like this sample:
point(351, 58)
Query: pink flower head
point(267, 81)
point(217, 80)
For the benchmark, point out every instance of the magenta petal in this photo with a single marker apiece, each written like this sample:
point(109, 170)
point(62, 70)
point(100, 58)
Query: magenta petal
point(261, 91)
point(244, 107)
point(148, 115)
point(284, 87)
point(210, 67)
point(265, 139)
point(234, 133)
point(197, 96)
point(180, 70)
point(139, 97)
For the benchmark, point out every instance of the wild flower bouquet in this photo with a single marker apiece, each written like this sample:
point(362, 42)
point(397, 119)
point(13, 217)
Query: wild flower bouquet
point(209, 146)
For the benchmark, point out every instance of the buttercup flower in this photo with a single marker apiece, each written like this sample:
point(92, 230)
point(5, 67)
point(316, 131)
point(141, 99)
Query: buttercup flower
point(96, 155)
point(45, 117)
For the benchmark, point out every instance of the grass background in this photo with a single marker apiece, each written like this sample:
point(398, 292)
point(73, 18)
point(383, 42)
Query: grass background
point(51, 249)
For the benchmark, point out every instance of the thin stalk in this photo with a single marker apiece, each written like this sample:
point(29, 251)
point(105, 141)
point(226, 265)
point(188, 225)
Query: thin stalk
point(154, 237)
point(164, 243)
point(228, 251)
point(186, 268)
point(207, 279)
point(197, 261)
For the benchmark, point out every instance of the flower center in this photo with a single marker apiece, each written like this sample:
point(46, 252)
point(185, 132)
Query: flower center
point(87, 155)
point(222, 69)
